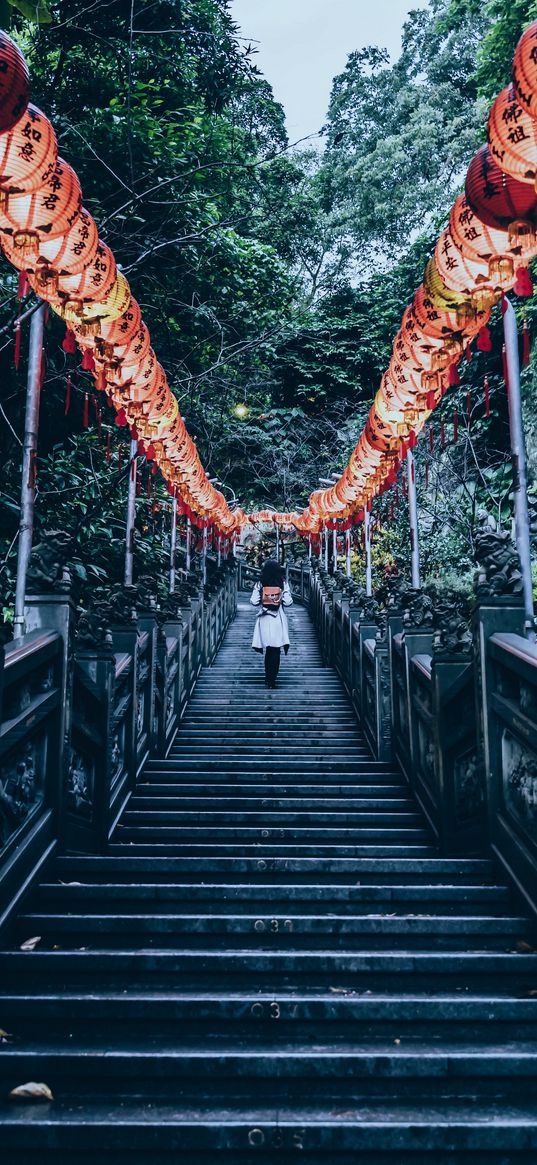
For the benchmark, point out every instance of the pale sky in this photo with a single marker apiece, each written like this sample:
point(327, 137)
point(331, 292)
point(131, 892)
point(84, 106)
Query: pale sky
point(303, 44)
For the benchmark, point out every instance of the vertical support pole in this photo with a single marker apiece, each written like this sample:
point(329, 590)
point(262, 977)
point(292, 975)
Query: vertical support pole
point(309, 545)
point(368, 570)
point(29, 450)
point(348, 553)
point(204, 556)
point(518, 457)
point(277, 543)
point(334, 549)
point(131, 514)
point(188, 557)
point(173, 544)
point(413, 519)
point(219, 545)
point(325, 533)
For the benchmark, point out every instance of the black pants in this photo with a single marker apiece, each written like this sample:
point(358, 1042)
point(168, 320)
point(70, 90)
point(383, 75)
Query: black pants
point(272, 664)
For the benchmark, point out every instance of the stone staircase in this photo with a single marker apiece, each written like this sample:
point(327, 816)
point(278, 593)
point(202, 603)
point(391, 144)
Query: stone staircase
point(272, 960)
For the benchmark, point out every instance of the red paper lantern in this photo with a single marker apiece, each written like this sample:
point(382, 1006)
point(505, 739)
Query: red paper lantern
point(501, 201)
point(512, 137)
point(14, 83)
point(464, 275)
point(525, 70)
point(484, 244)
point(28, 155)
point(93, 284)
point(122, 330)
point(46, 213)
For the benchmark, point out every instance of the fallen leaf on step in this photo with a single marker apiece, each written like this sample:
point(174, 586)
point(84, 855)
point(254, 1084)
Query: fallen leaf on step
point(4, 1036)
point(339, 990)
point(524, 948)
point(30, 943)
point(31, 1091)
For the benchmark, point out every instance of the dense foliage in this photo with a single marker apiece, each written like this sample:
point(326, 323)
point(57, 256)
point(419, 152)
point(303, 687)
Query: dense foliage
point(269, 276)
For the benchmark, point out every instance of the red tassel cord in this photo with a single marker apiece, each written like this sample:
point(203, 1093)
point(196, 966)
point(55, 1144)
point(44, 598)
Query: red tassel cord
point(17, 348)
point(99, 417)
point(69, 343)
point(23, 287)
point(108, 446)
point(133, 469)
point(397, 495)
point(392, 510)
point(469, 354)
point(455, 426)
point(403, 485)
point(487, 396)
point(149, 487)
point(525, 343)
point(504, 365)
point(67, 395)
point(88, 363)
point(413, 473)
point(523, 285)
point(453, 376)
point(85, 411)
point(32, 471)
point(442, 433)
point(119, 459)
point(138, 483)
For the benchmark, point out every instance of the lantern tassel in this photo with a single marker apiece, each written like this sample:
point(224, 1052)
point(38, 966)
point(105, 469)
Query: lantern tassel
point(85, 411)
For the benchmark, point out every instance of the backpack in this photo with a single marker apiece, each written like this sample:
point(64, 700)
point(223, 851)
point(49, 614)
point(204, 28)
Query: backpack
point(271, 596)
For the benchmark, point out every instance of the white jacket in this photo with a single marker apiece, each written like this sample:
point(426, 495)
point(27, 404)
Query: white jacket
point(271, 627)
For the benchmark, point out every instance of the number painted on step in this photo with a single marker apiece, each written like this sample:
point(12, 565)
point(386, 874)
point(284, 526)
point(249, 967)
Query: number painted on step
point(277, 1138)
point(275, 1010)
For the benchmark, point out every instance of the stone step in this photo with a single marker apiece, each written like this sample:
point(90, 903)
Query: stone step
point(375, 931)
point(498, 1133)
point(337, 1014)
point(362, 871)
point(290, 899)
point(373, 970)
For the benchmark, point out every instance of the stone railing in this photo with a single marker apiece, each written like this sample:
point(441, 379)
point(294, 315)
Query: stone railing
point(450, 695)
point(87, 699)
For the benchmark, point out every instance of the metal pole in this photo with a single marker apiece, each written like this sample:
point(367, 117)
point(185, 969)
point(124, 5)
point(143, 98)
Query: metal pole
point(219, 544)
point(368, 571)
point(309, 545)
point(277, 543)
point(173, 545)
point(518, 456)
point(131, 514)
point(204, 556)
point(29, 450)
point(348, 553)
point(325, 532)
point(188, 557)
point(334, 549)
point(413, 518)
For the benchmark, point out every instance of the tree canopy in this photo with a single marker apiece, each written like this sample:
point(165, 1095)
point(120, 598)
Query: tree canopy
point(270, 276)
